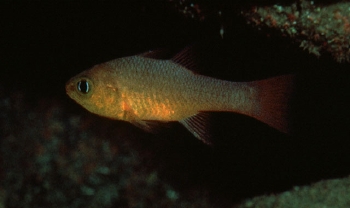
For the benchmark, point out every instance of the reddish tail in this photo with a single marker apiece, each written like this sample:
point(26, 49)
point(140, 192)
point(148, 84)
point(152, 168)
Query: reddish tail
point(274, 101)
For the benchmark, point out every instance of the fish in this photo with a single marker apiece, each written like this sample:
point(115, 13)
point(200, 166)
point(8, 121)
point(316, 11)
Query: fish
point(144, 90)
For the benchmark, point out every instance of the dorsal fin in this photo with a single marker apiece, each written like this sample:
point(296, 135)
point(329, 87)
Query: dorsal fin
point(198, 126)
point(156, 54)
point(187, 58)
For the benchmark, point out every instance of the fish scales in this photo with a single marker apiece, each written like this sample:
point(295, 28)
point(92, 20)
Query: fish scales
point(186, 92)
point(138, 89)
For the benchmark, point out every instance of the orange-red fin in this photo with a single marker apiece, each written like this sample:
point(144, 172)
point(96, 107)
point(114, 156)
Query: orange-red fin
point(187, 58)
point(198, 126)
point(273, 102)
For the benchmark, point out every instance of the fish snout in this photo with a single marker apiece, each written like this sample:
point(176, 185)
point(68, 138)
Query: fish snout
point(70, 87)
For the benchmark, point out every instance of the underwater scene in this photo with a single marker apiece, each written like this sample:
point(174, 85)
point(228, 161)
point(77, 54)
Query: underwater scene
point(175, 103)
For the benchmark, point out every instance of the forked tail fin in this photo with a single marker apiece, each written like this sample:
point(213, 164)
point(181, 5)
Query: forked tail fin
point(274, 96)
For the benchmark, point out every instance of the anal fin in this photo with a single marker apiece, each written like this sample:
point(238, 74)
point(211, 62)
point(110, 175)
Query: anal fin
point(198, 125)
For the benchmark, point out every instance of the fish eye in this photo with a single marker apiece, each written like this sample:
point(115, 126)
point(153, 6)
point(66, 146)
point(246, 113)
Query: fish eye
point(83, 86)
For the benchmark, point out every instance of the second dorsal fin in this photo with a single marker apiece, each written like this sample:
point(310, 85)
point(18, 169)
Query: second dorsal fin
point(157, 54)
point(187, 58)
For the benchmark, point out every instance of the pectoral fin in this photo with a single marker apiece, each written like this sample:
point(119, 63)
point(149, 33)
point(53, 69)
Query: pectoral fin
point(142, 125)
point(135, 120)
point(146, 125)
point(198, 126)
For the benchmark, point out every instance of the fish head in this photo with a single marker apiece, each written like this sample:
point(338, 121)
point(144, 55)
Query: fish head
point(97, 91)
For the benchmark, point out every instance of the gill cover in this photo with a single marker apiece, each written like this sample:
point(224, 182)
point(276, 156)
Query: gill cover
point(96, 90)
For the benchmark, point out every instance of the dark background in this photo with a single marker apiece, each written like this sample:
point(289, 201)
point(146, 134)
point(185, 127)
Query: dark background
point(43, 44)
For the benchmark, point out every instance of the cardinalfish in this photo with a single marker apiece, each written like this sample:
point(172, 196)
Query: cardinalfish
point(141, 89)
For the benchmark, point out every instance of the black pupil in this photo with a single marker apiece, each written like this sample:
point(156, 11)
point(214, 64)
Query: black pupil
point(83, 86)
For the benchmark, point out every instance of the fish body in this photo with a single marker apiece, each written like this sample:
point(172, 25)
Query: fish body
point(139, 89)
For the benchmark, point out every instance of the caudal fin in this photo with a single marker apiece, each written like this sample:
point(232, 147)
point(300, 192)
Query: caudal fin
point(274, 96)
